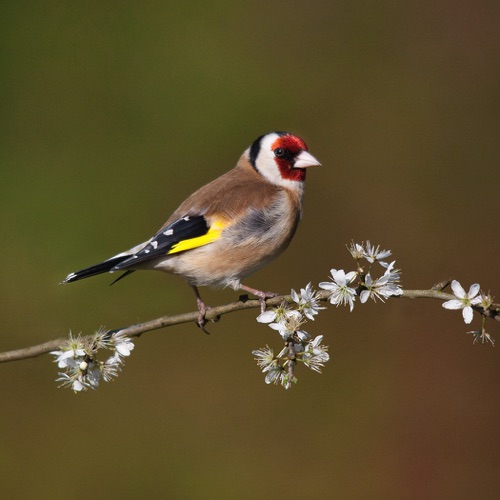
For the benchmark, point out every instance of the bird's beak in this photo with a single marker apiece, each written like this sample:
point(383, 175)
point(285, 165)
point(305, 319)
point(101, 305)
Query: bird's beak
point(305, 159)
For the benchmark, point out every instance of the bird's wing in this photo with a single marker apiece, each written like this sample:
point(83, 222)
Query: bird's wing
point(201, 219)
point(183, 234)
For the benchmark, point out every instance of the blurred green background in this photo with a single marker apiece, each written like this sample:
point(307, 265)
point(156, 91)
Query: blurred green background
point(113, 112)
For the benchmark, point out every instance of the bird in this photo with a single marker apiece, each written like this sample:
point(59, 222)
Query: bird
point(229, 228)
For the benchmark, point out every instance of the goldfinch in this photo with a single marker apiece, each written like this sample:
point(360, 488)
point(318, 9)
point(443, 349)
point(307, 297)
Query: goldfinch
point(229, 228)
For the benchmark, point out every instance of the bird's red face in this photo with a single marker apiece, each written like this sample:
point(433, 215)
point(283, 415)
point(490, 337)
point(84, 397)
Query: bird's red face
point(286, 149)
point(281, 158)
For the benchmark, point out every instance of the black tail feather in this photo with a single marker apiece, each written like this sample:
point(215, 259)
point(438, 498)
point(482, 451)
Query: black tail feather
point(103, 267)
point(124, 275)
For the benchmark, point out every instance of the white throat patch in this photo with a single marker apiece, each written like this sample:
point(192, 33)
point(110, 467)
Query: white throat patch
point(267, 167)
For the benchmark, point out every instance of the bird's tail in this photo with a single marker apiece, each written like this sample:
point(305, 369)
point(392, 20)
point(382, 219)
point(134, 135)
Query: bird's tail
point(103, 267)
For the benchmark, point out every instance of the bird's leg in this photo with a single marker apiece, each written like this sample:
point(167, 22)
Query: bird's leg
point(202, 309)
point(262, 296)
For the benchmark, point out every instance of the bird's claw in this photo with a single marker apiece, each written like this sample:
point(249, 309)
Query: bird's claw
point(263, 296)
point(201, 325)
point(202, 311)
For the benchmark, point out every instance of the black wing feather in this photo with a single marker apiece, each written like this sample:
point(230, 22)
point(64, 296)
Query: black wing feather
point(103, 267)
point(182, 229)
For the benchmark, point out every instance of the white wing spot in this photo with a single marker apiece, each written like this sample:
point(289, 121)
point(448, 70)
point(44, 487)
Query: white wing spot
point(154, 244)
point(168, 232)
point(146, 251)
point(186, 218)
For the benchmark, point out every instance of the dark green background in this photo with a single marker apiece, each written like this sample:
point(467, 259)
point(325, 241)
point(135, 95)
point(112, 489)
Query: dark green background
point(111, 113)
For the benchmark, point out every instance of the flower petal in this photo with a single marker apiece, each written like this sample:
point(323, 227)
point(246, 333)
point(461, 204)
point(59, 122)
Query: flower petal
point(458, 291)
point(473, 290)
point(453, 304)
point(327, 285)
point(467, 314)
point(266, 317)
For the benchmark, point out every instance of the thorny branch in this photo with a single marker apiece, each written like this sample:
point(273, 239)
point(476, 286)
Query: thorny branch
point(214, 314)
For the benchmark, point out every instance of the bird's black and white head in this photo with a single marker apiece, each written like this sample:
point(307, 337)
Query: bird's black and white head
point(282, 158)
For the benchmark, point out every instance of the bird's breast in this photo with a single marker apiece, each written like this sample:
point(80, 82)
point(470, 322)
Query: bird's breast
point(244, 246)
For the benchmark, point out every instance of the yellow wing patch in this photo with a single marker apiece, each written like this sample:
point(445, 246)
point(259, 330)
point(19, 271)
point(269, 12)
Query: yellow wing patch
point(212, 234)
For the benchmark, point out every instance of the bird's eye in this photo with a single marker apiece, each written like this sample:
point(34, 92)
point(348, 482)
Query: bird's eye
point(279, 152)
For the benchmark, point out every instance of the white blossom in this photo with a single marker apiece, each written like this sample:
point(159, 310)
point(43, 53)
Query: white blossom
point(341, 292)
point(356, 250)
point(486, 301)
point(315, 355)
point(122, 343)
point(78, 357)
point(307, 301)
point(66, 359)
point(289, 327)
point(382, 288)
point(270, 365)
point(111, 367)
point(277, 314)
point(68, 380)
point(463, 300)
point(372, 253)
point(264, 358)
point(78, 384)
point(275, 375)
point(93, 374)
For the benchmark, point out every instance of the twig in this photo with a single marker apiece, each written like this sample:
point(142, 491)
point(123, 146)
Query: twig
point(214, 313)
